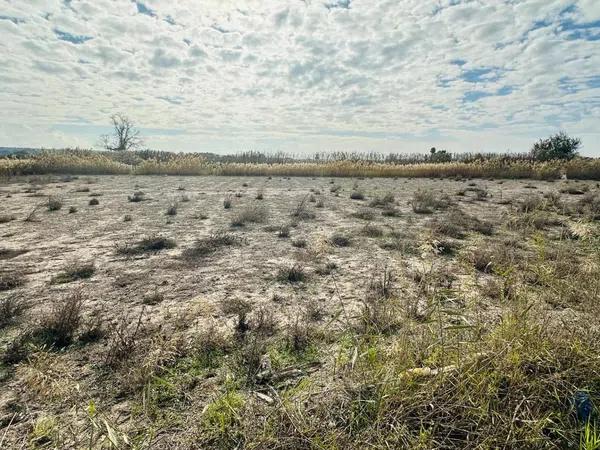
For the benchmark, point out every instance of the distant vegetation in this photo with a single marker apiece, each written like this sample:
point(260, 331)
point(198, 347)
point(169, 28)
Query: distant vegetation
point(548, 159)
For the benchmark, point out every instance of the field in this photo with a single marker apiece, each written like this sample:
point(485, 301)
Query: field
point(226, 312)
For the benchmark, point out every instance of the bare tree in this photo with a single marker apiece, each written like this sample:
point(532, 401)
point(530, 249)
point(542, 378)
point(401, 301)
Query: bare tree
point(125, 135)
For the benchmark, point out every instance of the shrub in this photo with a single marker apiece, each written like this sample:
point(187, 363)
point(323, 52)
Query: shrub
point(172, 210)
point(94, 202)
point(147, 245)
point(558, 146)
point(72, 210)
point(357, 195)
point(74, 272)
point(384, 201)
point(364, 214)
point(339, 240)
point(11, 307)
point(59, 326)
point(10, 280)
point(227, 202)
point(127, 218)
point(138, 196)
point(426, 201)
point(299, 243)
point(283, 231)
point(5, 218)
point(301, 210)
point(371, 230)
point(54, 204)
point(207, 246)
point(250, 214)
point(240, 308)
point(292, 274)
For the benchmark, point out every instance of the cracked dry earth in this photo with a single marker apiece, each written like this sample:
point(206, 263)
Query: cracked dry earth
point(190, 295)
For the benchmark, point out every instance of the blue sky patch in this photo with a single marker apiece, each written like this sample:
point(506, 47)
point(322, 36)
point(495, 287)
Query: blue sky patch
point(73, 38)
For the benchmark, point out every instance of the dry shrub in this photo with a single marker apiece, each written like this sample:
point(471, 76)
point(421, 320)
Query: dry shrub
point(124, 341)
point(364, 214)
point(250, 214)
point(54, 204)
point(209, 245)
point(457, 223)
point(149, 244)
point(58, 326)
point(372, 231)
point(292, 274)
point(11, 280)
point(302, 211)
point(427, 201)
point(339, 240)
point(75, 271)
point(11, 307)
point(138, 196)
point(385, 201)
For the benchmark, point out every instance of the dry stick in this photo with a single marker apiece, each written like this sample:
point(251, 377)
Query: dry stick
point(7, 428)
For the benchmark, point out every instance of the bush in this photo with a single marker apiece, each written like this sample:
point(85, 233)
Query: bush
point(558, 146)
point(426, 201)
point(11, 307)
point(207, 246)
point(147, 245)
point(54, 204)
point(357, 195)
point(94, 202)
point(339, 240)
point(291, 274)
point(58, 327)
point(75, 272)
point(137, 196)
point(10, 280)
point(250, 214)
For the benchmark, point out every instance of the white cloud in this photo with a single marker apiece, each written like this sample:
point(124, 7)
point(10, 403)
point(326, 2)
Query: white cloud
point(303, 76)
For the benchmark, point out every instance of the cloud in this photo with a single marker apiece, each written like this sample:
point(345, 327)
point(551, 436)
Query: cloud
point(303, 76)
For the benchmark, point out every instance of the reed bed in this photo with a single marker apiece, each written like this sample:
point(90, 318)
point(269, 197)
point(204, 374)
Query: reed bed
point(84, 162)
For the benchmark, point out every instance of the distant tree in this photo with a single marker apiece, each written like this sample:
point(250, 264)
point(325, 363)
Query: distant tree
point(125, 135)
point(558, 146)
point(439, 156)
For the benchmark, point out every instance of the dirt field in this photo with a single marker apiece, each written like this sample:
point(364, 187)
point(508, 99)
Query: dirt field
point(301, 253)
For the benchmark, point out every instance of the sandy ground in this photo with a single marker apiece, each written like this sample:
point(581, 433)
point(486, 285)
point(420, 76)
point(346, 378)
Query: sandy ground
point(193, 293)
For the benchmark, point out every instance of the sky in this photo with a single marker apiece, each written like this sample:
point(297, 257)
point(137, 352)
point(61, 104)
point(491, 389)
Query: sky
point(301, 76)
